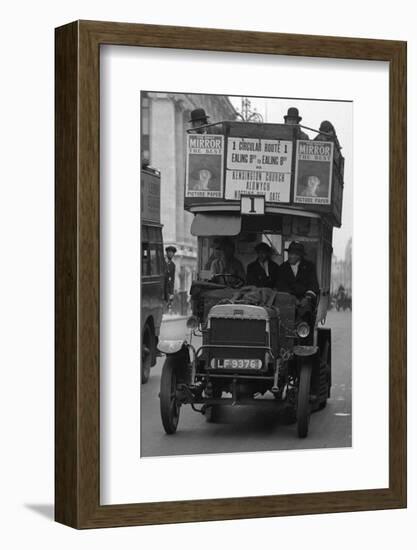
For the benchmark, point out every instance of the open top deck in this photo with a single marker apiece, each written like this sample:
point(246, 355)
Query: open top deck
point(252, 168)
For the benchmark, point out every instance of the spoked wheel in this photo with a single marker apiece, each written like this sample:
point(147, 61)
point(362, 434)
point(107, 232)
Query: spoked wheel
point(146, 354)
point(303, 402)
point(170, 407)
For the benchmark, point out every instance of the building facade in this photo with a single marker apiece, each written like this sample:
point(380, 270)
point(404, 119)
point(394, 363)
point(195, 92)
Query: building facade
point(164, 123)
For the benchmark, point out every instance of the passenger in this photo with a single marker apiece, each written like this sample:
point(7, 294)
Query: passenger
point(327, 132)
point(227, 263)
point(293, 118)
point(298, 277)
point(263, 272)
point(216, 253)
point(216, 262)
point(197, 120)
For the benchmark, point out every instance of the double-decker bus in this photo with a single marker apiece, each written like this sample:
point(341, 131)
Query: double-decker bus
point(152, 268)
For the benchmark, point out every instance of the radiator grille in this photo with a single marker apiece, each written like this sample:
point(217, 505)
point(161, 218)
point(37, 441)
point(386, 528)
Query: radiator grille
point(237, 332)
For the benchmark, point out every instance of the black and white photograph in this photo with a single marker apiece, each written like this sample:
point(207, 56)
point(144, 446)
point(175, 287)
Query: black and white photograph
point(246, 285)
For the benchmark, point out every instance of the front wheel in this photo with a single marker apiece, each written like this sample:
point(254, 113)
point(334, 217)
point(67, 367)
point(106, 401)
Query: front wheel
point(303, 402)
point(169, 405)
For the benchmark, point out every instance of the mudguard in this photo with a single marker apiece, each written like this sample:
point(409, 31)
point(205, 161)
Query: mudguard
point(171, 347)
point(305, 351)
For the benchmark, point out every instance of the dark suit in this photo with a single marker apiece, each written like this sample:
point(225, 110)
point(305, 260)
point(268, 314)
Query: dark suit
point(301, 285)
point(169, 278)
point(256, 275)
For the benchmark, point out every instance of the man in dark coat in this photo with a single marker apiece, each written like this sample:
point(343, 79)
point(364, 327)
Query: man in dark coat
point(263, 272)
point(298, 277)
point(169, 274)
point(293, 119)
point(198, 120)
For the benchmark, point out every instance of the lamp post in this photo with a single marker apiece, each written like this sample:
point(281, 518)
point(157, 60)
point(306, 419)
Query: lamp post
point(247, 114)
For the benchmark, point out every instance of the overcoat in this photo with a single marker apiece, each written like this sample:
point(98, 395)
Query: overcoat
point(256, 275)
point(304, 283)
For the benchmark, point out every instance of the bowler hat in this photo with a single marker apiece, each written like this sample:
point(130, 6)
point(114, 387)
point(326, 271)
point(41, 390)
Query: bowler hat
point(296, 247)
point(171, 248)
point(263, 246)
point(198, 114)
point(292, 113)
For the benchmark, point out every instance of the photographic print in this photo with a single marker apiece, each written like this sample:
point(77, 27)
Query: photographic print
point(234, 311)
point(246, 287)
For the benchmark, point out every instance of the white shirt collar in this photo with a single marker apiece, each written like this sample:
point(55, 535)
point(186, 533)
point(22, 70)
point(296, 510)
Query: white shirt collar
point(295, 267)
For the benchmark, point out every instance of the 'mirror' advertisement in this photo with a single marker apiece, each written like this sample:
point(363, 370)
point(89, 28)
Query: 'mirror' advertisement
point(313, 172)
point(204, 174)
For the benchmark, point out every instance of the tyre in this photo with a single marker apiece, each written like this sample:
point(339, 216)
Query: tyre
point(303, 400)
point(170, 408)
point(147, 347)
point(324, 390)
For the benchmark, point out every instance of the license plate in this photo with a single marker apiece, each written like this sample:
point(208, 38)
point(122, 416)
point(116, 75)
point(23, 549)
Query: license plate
point(236, 363)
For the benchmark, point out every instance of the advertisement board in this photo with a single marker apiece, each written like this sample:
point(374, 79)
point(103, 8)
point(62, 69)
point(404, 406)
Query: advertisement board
point(204, 170)
point(258, 167)
point(313, 172)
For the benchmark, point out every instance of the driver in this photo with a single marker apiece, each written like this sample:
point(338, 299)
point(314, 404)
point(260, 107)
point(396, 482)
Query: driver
point(226, 263)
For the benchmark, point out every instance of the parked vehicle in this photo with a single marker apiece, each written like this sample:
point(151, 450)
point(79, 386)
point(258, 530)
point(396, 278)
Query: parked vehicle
point(153, 270)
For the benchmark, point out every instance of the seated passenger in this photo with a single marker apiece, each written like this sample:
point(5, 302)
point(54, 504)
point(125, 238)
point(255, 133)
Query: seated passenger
point(226, 263)
point(215, 255)
point(263, 272)
point(298, 277)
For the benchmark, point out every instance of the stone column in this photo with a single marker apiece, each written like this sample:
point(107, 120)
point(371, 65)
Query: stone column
point(162, 157)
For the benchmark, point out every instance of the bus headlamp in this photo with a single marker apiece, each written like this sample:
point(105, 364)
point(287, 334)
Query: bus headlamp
point(192, 322)
point(303, 330)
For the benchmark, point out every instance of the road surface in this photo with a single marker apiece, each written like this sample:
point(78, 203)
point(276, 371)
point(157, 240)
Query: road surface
point(246, 428)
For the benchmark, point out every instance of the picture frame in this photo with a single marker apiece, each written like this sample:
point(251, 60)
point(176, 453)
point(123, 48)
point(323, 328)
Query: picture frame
point(77, 333)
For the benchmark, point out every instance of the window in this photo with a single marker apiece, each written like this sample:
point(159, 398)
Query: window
point(154, 260)
point(146, 262)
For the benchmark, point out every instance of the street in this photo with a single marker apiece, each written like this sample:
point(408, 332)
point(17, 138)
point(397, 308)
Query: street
point(247, 428)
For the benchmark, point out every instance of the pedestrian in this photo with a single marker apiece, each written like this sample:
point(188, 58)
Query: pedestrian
point(169, 275)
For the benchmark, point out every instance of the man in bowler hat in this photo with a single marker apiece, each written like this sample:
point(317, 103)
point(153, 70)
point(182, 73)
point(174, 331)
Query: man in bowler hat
point(263, 272)
point(298, 277)
point(293, 118)
point(197, 120)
